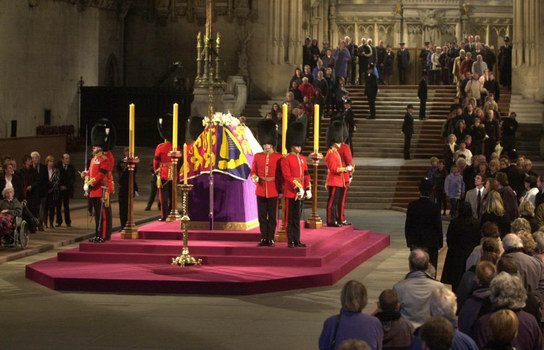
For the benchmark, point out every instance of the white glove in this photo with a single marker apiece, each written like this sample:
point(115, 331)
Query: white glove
point(300, 193)
point(255, 179)
point(349, 168)
point(350, 180)
point(136, 194)
point(308, 194)
point(86, 187)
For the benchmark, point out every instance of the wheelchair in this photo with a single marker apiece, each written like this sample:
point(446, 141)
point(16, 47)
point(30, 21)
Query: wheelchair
point(19, 237)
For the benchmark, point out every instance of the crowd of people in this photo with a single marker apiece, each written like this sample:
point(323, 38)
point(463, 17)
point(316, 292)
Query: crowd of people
point(39, 191)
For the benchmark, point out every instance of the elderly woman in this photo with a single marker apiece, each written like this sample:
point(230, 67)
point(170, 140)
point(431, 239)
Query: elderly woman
point(527, 212)
point(351, 322)
point(538, 236)
point(10, 179)
point(507, 293)
point(10, 207)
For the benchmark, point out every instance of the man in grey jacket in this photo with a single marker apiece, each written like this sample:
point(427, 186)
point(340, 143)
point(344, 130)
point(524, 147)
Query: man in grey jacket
point(416, 289)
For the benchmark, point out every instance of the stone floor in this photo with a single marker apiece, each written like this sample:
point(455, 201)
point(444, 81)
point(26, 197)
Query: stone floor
point(35, 317)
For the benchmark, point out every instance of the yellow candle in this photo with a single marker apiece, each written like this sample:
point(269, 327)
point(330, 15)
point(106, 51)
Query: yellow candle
point(131, 136)
point(175, 128)
point(316, 128)
point(284, 120)
point(185, 164)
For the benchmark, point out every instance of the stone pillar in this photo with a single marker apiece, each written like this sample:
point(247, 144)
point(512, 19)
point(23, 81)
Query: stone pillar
point(487, 34)
point(397, 39)
point(375, 34)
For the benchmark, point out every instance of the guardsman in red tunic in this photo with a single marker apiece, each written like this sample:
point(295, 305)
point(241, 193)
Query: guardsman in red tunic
point(336, 179)
point(99, 178)
point(162, 165)
point(265, 173)
point(347, 162)
point(296, 182)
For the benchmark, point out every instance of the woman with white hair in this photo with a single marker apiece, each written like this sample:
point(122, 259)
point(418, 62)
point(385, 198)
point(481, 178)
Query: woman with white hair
point(10, 208)
point(507, 292)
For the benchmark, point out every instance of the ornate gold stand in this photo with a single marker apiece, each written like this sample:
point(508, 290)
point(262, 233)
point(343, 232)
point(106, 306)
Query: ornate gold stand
point(281, 234)
point(314, 221)
point(185, 258)
point(130, 231)
point(174, 213)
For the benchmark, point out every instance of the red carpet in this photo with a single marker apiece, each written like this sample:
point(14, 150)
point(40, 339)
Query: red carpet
point(232, 262)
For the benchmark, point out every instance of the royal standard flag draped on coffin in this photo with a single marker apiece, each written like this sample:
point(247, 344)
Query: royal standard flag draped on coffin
point(231, 151)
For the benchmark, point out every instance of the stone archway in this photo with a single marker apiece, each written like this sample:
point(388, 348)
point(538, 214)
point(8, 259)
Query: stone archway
point(111, 77)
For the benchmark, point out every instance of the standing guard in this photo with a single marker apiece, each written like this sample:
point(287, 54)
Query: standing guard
point(347, 162)
point(296, 182)
point(162, 165)
point(99, 178)
point(336, 180)
point(265, 173)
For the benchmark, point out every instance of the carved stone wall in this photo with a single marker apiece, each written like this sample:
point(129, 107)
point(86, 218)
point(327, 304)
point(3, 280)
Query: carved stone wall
point(45, 47)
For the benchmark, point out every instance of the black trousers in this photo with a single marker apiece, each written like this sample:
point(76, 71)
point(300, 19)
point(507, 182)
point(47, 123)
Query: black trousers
point(50, 206)
point(407, 145)
point(268, 214)
point(63, 201)
point(165, 196)
point(123, 207)
point(334, 205)
point(102, 215)
point(294, 212)
point(152, 193)
point(402, 76)
point(372, 106)
point(422, 109)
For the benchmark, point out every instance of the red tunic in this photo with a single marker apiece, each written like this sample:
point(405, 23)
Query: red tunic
point(100, 174)
point(347, 159)
point(266, 166)
point(163, 161)
point(336, 170)
point(294, 171)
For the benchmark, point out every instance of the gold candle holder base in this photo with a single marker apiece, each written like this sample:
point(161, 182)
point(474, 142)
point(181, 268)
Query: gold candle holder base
point(185, 259)
point(281, 234)
point(174, 213)
point(130, 231)
point(314, 221)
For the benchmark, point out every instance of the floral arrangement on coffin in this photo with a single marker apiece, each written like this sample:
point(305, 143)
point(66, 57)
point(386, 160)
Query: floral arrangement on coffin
point(221, 119)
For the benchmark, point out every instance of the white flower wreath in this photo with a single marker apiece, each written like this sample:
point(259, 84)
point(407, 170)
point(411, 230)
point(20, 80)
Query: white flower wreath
point(221, 119)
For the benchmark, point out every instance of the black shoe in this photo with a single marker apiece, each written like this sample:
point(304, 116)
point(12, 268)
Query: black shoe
point(271, 243)
point(300, 245)
point(147, 209)
point(346, 223)
point(292, 244)
point(334, 224)
point(263, 243)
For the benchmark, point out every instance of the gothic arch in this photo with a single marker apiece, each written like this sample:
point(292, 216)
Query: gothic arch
point(111, 77)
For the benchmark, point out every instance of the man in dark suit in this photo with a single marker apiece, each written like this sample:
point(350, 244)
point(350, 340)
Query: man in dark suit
point(422, 95)
point(43, 176)
point(349, 118)
point(371, 91)
point(403, 62)
point(67, 177)
point(408, 130)
point(423, 227)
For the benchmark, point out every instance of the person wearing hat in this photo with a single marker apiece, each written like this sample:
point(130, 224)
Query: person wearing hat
point(408, 130)
point(403, 62)
point(347, 161)
point(505, 63)
point(364, 53)
point(336, 181)
point(162, 165)
point(265, 173)
point(423, 226)
point(371, 91)
point(98, 180)
point(296, 182)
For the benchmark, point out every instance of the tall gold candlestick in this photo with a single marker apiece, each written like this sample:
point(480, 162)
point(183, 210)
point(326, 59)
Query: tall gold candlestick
point(281, 235)
point(131, 130)
point(130, 231)
point(185, 258)
point(175, 128)
point(185, 164)
point(174, 213)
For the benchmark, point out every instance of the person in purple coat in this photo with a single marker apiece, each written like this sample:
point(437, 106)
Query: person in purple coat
point(342, 59)
point(351, 322)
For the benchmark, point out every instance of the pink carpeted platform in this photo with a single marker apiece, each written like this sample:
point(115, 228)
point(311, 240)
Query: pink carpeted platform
point(232, 262)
